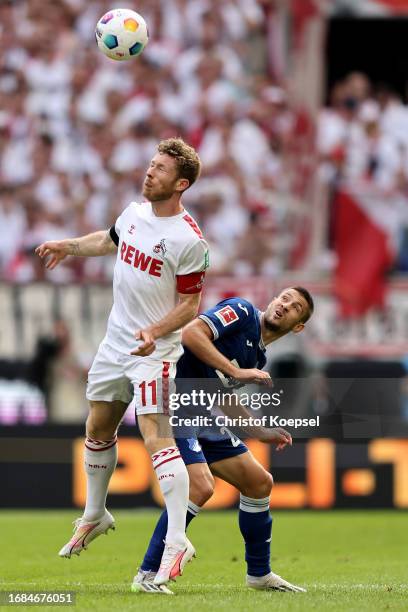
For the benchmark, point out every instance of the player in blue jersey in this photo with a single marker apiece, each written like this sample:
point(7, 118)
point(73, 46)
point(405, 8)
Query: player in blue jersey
point(229, 341)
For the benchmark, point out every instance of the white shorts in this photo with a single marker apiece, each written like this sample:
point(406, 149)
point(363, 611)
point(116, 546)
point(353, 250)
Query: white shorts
point(117, 376)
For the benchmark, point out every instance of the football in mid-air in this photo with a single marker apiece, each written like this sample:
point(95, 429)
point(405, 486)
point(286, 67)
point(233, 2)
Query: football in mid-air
point(121, 34)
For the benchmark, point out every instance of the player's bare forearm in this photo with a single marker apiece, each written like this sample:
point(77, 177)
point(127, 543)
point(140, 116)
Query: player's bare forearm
point(183, 313)
point(91, 245)
point(198, 338)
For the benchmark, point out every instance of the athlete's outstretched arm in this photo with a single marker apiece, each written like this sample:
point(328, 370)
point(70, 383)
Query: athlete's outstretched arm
point(198, 337)
point(91, 245)
point(178, 317)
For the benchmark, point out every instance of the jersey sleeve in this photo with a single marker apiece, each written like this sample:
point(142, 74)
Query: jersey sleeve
point(228, 317)
point(192, 266)
point(114, 231)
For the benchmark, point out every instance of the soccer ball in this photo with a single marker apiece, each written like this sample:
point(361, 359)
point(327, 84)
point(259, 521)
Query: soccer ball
point(121, 34)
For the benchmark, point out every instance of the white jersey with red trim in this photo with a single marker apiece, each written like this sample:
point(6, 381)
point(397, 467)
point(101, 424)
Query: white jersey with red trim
point(158, 257)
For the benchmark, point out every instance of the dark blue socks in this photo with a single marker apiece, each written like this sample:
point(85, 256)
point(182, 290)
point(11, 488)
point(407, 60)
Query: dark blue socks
point(255, 523)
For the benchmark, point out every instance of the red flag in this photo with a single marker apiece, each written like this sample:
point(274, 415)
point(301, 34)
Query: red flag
point(365, 253)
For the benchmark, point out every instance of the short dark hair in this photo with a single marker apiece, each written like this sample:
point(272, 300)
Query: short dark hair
point(305, 293)
point(186, 158)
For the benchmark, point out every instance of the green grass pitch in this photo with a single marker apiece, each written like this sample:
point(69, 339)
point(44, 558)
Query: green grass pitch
point(346, 560)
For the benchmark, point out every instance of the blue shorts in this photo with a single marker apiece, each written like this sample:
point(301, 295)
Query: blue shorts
point(207, 450)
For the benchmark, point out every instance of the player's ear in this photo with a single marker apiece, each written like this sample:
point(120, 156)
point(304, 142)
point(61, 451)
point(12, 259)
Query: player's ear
point(298, 328)
point(182, 184)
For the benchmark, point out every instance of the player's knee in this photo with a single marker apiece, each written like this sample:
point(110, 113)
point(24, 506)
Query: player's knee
point(259, 487)
point(265, 485)
point(202, 489)
point(101, 427)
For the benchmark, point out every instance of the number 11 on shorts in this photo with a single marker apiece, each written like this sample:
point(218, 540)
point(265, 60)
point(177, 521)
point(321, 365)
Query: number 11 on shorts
point(153, 387)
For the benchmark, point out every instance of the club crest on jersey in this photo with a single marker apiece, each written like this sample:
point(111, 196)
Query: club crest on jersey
point(226, 315)
point(160, 247)
point(131, 229)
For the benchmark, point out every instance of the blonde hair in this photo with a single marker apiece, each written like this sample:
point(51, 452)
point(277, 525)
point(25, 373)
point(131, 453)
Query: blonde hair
point(186, 158)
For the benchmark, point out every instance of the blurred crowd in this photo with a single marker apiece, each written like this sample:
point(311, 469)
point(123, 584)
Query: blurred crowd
point(77, 130)
point(363, 134)
point(362, 140)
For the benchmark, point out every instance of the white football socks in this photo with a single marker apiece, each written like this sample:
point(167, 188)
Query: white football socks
point(173, 479)
point(100, 462)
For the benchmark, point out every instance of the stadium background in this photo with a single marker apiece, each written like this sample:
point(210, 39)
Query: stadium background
point(298, 110)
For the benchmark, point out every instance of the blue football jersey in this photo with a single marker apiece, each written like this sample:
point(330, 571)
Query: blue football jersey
point(236, 327)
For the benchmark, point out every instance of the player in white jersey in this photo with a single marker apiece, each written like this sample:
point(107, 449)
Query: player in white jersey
point(159, 271)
